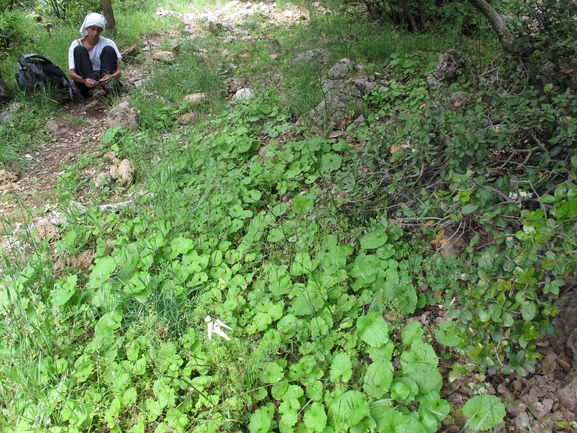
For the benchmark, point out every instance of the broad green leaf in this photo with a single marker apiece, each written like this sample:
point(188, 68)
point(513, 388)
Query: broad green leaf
point(366, 268)
point(289, 410)
point(318, 328)
point(420, 352)
point(275, 235)
point(393, 421)
point(411, 332)
point(129, 397)
point(528, 310)
point(165, 394)
point(302, 264)
point(348, 410)
point(260, 421)
point(180, 246)
point(331, 162)
point(435, 405)
point(176, 419)
point(404, 389)
point(279, 389)
point(341, 367)
point(302, 204)
point(378, 378)
point(271, 373)
point(252, 196)
point(469, 208)
point(307, 303)
point(83, 368)
point(374, 241)
point(446, 334)
point(332, 256)
point(64, 291)
point(373, 329)
point(101, 271)
point(315, 418)
point(428, 378)
point(279, 281)
point(484, 412)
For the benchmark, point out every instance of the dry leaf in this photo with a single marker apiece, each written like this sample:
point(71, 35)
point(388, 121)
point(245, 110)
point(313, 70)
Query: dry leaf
point(439, 240)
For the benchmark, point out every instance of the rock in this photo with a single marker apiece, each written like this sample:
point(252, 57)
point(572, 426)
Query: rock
point(343, 68)
point(344, 100)
point(130, 52)
point(457, 100)
point(164, 56)
point(124, 117)
point(141, 84)
point(123, 172)
point(187, 118)
point(275, 46)
point(565, 324)
point(318, 55)
point(244, 93)
point(84, 260)
point(10, 110)
point(568, 391)
point(549, 363)
point(446, 70)
point(7, 176)
point(102, 180)
point(111, 156)
point(47, 231)
point(57, 127)
point(195, 98)
point(214, 28)
point(11, 186)
point(115, 207)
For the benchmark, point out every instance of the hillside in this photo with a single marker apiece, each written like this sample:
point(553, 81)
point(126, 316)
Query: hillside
point(280, 224)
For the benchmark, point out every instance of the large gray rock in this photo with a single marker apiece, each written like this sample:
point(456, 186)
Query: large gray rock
point(318, 55)
point(123, 116)
point(446, 70)
point(344, 99)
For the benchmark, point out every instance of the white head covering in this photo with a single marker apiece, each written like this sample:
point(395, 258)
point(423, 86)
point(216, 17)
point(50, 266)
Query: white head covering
point(92, 19)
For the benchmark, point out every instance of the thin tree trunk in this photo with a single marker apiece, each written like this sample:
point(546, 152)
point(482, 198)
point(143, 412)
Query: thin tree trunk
point(5, 92)
point(409, 16)
point(109, 15)
point(498, 23)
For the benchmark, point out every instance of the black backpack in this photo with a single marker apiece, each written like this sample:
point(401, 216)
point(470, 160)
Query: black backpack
point(36, 73)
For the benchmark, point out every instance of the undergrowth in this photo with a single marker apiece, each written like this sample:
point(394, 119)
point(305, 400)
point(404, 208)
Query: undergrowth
point(270, 279)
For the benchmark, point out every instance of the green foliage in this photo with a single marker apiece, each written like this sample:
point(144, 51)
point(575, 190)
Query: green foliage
point(484, 412)
point(14, 29)
point(554, 40)
point(509, 313)
point(65, 10)
point(310, 248)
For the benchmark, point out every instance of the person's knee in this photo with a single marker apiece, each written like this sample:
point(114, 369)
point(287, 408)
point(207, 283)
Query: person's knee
point(79, 49)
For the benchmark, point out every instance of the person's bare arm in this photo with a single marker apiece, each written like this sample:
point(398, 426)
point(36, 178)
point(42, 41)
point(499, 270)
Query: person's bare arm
point(90, 83)
point(108, 78)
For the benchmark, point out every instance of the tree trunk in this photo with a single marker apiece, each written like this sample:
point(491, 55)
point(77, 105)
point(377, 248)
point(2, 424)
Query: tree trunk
point(5, 92)
point(498, 23)
point(109, 15)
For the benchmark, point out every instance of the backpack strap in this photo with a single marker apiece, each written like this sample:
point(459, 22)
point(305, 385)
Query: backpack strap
point(36, 56)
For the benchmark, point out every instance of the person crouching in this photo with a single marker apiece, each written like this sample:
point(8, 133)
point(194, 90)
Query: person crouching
point(93, 60)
